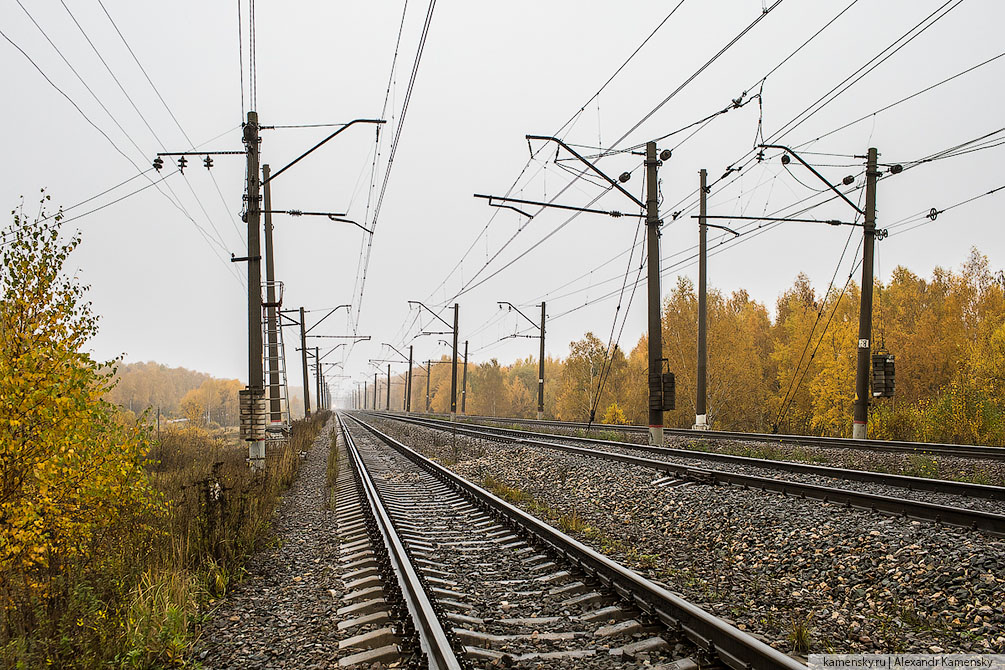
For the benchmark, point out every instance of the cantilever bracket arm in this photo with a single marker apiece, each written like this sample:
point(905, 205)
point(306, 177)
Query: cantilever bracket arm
point(358, 225)
point(334, 216)
point(317, 146)
point(404, 358)
point(514, 307)
point(421, 305)
point(502, 206)
point(614, 213)
point(590, 165)
point(727, 229)
point(814, 171)
point(325, 317)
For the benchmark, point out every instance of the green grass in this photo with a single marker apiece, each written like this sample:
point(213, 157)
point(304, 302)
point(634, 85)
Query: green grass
point(800, 635)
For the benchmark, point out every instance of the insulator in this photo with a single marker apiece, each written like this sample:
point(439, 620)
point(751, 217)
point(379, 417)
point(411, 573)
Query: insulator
point(848, 181)
point(182, 162)
point(208, 162)
point(896, 169)
point(625, 176)
point(786, 159)
point(158, 163)
point(665, 155)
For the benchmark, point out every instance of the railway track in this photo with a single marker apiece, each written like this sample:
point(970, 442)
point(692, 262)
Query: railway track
point(990, 522)
point(942, 486)
point(924, 448)
point(473, 581)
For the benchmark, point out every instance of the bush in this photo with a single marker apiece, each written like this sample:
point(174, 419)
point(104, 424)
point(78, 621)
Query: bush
point(110, 544)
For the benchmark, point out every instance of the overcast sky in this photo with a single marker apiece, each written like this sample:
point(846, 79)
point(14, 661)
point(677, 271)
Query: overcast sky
point(158, 261)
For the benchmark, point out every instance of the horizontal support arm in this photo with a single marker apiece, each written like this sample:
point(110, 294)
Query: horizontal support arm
point(614, 213)
point(813, 170)
point(317, 146)
point(588, 164)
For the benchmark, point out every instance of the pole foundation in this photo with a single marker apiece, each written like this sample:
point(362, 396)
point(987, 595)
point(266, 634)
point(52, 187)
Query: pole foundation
point(858, 431)
point(656, 436)
point(700, 422)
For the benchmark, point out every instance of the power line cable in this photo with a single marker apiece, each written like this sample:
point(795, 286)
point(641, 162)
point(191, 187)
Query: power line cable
point(171, 112)
point(240, 54)
point(109, 139)
point(142, 118)
point(119, 199)
point(620, 68)
point(698, 72)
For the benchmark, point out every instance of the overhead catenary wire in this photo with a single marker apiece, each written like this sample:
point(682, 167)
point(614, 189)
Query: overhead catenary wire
point(888, 52)
point(469, 286)
point(809, 337)
point(762, 79)
point(906, 98)
point(420, 50)
point(932, 214)
point(563, 128)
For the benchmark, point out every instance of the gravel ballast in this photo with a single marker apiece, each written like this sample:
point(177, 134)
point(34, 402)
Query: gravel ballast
point(784, 569)
point(282, 614)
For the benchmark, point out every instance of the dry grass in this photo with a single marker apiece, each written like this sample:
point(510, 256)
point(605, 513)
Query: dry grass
point(139, 603)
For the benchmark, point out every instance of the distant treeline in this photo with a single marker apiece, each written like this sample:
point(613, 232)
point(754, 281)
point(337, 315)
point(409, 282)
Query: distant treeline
point(795, 371)
point(182, 393)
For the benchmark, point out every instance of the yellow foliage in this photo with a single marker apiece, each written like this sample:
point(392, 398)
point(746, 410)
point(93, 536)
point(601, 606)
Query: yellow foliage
point(72, 473)
point(614, 415)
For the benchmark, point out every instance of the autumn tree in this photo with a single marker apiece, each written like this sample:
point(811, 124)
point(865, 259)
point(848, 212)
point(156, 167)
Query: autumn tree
point(139, 386)
point(70, 474)
point(487, 390)
point(214, 402)
point(581, 375)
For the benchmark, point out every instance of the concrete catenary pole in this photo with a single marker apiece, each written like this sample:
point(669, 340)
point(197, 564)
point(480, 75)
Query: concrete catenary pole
point(700, 411)
point(408, 392)
point(540, 371)
point(317, 374)
point(387, 404)
point(655, 323)
point(860, 426)
point(464, 381)
point(453, 371)
point(271, 311)
point(256, 375)
point(303, 361)
point(427, 385)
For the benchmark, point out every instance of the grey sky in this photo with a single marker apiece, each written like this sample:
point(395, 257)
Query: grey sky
point(490, 74)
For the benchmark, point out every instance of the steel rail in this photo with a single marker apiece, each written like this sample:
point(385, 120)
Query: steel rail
point(914, 509)
point(928, 448)
point(732, 646)
point(968, 489)
point(433, 639)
